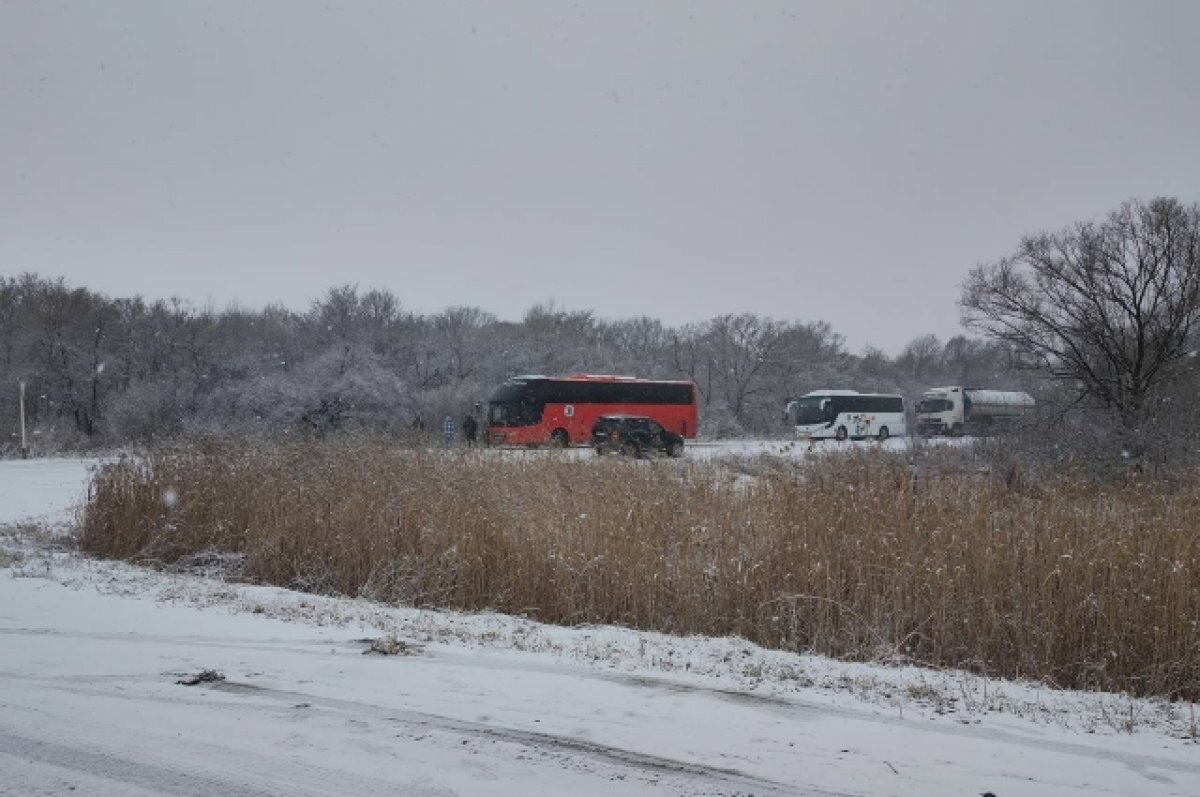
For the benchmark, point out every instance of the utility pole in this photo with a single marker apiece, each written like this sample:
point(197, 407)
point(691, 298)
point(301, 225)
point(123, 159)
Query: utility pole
point(24, 446)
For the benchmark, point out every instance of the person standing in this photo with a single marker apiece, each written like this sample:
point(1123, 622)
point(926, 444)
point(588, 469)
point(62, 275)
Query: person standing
point(470, 426)
point(448, 431)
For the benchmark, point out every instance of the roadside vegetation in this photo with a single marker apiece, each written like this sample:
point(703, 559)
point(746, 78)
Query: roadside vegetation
point(927, 558)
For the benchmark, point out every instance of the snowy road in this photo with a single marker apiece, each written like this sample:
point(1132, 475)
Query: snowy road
point(312, 715)
point(91, 654)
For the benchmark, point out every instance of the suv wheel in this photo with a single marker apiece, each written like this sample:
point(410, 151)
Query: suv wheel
point(675, 449)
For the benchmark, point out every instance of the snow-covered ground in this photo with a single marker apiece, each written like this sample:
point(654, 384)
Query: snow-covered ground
point(92, 653)
point(707, 450)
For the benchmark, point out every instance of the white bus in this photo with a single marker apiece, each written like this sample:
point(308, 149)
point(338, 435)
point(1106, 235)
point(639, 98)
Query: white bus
point(847, 414)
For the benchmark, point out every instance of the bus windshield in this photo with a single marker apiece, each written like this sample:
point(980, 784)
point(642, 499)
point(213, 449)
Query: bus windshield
point(934, 405)
point(514, 404)
point(809, 410)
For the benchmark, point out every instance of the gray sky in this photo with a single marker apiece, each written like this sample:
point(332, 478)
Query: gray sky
point(837, 161)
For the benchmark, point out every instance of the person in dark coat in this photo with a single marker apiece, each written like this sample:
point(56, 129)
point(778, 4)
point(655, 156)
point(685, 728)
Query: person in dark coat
point(470, 426)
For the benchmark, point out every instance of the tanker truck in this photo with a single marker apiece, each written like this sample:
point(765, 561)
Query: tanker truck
point(969, 410)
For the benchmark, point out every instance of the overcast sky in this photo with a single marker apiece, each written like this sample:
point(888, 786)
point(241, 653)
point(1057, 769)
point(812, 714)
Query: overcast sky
point(846, 162)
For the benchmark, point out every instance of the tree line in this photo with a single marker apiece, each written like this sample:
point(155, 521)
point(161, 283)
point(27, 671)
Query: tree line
point(104, 371)
point(1100, 321)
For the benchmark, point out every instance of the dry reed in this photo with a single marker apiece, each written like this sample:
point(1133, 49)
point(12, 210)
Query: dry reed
point(864, 557)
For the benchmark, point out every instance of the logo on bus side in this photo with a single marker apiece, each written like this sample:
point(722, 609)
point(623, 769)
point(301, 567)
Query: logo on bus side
point(569, 410)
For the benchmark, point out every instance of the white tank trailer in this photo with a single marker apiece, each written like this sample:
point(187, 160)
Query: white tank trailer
point(969, 410)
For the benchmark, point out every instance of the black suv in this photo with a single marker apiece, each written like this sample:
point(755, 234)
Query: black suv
point(635, 435)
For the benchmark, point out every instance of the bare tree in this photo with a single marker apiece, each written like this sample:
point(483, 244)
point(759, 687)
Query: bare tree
point(808, 356)
point(876, 369)
point(921, 357)
point(966, 360)
point(640, 346)
point(1107, 305)
point(462, 333)
point(743, 349)
point(562, 341)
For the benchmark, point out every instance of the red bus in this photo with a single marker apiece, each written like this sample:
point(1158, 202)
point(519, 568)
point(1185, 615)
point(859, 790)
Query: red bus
point(558, 411)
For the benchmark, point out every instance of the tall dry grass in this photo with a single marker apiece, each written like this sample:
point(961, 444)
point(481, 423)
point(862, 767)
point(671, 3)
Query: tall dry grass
point(863, 557)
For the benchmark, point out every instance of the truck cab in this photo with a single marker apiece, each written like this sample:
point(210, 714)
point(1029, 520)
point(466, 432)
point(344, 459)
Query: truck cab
point(941, 411)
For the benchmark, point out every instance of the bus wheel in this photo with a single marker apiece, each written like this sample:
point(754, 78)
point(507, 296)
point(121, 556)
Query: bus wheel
point(956, 430)
point(558, 438)
point(883, 433)
point(841, 434)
